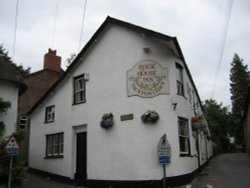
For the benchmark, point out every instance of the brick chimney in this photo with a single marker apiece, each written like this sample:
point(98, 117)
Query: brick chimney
point(52, 61)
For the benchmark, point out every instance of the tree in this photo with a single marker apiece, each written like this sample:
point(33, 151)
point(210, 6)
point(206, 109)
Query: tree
point(240, 81)
point(217, 117)
point(71, 58)
point(19, 68)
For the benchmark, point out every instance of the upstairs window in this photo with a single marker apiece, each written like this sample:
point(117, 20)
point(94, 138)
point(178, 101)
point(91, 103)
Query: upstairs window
point(183, 135)
point(79, 89)
point(54, 145)
point(179, 80)
point(50, 114)
point(23, 122)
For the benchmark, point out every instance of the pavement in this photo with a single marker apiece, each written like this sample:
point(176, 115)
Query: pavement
point(35, 181)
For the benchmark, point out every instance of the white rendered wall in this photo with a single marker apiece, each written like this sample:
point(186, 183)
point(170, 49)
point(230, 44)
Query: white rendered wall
point(128, 151)
point(9, 92)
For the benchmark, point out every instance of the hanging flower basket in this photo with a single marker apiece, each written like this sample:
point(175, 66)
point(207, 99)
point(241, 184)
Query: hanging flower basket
point(107, 121)
point(197, 122)
point(150, 117)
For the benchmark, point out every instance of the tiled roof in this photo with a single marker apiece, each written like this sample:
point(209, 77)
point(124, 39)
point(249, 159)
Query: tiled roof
point(8, 73)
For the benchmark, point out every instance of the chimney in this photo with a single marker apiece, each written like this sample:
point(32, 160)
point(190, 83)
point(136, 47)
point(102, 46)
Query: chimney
point(52, 61)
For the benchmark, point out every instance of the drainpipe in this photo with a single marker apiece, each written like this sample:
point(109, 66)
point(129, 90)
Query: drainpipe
point(198, 149)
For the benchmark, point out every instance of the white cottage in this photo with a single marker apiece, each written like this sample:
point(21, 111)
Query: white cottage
point(11, 87)
point(93, 124)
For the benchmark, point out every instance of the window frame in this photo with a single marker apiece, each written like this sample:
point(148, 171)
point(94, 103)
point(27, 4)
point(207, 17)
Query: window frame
point(77, 91)
point(54, 145)
point(50, 111)
point(179, 80)
point(186, 136)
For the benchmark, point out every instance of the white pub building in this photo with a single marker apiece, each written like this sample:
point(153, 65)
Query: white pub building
point(125, 108)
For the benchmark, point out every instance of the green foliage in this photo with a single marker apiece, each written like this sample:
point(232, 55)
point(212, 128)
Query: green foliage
point(2, 128)
point(20, 134)
point(19, 68)
point(217, 117)
point(4, 105)
point(240, 81)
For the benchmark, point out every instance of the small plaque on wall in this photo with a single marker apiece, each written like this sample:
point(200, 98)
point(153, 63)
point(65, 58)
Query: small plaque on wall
point(127, 117)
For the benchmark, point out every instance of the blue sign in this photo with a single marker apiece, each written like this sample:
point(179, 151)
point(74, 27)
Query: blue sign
point(164, 159)
point(13, 151)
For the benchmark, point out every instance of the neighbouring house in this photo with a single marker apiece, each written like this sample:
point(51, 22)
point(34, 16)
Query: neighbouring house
point(246, 122)
point(38, 84)
point(12, 85)
point(125, 108)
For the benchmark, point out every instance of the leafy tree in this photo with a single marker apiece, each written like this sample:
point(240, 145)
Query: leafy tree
point(240, 81)
point(217, 117)
point(19, 68)
point(71, 58)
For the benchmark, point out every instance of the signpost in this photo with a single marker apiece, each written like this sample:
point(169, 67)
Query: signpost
point(164, 154)
point(12, 148)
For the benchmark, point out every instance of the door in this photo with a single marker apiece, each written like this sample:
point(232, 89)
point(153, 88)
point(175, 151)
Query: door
point(81, 156)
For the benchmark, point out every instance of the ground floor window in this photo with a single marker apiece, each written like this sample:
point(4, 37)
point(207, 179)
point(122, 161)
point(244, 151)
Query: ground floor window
point(54, 145)
point(183, 136)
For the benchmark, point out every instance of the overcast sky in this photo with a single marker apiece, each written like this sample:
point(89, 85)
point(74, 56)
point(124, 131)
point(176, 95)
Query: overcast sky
point(199, 26)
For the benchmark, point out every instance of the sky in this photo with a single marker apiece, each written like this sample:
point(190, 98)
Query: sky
point(199, 25)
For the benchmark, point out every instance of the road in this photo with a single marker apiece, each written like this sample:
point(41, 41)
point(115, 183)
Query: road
point(225, 171)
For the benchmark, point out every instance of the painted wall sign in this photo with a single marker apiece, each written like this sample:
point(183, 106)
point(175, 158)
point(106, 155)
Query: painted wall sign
point(147, 79)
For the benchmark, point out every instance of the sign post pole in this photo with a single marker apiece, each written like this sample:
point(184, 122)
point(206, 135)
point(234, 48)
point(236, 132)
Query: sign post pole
point(164, 154)
point(10, 171)
point(164, 178)
point(12, 148)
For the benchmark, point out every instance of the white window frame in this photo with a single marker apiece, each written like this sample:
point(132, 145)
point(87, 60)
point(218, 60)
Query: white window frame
point(50, 114)
point(179, 80)
point(79, 89)
point(54, 145)
point(183, 136)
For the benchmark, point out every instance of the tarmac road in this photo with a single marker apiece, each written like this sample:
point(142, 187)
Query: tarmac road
point(225, 171)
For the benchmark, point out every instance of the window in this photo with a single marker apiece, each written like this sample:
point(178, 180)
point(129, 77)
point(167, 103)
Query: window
point(79, 89)
point(179, 80)
point(50, 114)
point(54, 145)
point(183, 136)
point(23, 121)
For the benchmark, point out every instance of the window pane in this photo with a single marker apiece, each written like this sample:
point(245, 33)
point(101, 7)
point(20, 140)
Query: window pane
point(61, 143)
point(79, 90)
point(183, 144)
point(49, 145)
point(50, 114)
point(183, 135)
point(183, 128)
point(55, 145)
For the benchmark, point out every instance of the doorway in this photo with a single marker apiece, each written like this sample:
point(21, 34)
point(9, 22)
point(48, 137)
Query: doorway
point(81, 156)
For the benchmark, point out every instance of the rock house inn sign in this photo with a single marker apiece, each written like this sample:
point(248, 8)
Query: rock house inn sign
point(147, 79)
